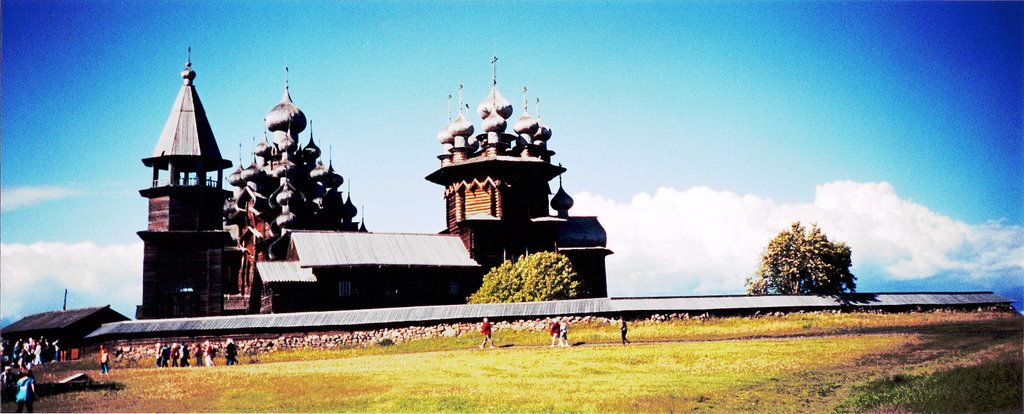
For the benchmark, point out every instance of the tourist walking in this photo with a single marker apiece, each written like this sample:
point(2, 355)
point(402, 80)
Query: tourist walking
point(231, 353)
point(485, 330)
point(208, 353)
point(199, 355)
point(624, 330)
point(563, 333)
point(38, 354)
point(6, 384)
point(159, 354)
point(166, 353)
point(104, 360)
point(175, 354)
point(184, 355)
point(555, 331)
point(26, 391)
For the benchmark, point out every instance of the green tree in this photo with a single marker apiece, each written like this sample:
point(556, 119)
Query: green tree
point(536, 277)
point(801, 262)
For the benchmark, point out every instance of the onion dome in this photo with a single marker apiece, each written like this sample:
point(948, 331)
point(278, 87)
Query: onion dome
point(188, 74)
point(349, 210)
point(282, 168)
point(320, 172)
point(333, 179)
point(311, 151)
point(263, 149)
point(561, 202)
point(249, 173)
point(287, 220)
point(543, 133)
point(527, 125)
point(494, 123)
point(494, 102)
point(235, 178)
point(444, 136)
point(286, 144)
point(285, 116)
point(287, 196)
point(461, 127)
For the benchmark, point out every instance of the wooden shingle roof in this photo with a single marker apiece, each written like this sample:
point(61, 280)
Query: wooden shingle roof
point(58, 319)
point(354, 319)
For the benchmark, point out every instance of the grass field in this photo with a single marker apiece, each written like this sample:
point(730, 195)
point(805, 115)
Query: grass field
point(796, 363)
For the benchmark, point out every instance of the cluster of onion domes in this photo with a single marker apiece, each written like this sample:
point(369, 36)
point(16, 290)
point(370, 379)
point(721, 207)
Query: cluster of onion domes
point(287, 186)
point(529, 139)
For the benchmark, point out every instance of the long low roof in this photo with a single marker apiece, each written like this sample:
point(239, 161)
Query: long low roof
point(59, 319)
point(330, 249)
point(312, 321)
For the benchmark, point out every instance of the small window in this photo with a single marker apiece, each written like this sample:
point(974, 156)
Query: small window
point(453, 288)
point(344, 288)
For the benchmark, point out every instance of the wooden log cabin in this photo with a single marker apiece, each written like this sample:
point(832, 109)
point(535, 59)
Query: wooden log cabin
point(286, 239)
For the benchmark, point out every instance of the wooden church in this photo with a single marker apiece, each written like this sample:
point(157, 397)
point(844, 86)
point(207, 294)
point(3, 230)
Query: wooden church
point(285, 238)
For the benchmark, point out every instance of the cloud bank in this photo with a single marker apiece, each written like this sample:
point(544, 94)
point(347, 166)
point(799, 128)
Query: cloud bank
point(705, 241)
point(34, 276)
point(690, 242)
point(14, 198)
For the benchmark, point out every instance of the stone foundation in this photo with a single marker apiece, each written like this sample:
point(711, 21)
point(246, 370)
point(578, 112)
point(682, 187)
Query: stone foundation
point(141, 351)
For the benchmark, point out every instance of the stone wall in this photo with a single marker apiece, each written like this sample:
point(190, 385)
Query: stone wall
point(141, 351)
point(144, 349)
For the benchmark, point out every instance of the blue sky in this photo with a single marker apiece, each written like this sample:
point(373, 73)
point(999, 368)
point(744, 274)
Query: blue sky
point(786, 106)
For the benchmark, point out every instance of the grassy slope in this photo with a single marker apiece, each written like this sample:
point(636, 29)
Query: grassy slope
point(873, 361)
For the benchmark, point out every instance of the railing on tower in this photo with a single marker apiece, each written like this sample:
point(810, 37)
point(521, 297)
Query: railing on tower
point(184, 182)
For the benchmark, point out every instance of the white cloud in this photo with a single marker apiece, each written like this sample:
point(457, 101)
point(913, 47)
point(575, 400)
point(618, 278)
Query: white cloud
point(14, 198)
point(34, 277)
point(702, 240)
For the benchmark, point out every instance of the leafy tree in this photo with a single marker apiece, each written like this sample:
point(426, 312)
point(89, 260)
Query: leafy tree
point(801, 262)
point(536, 277)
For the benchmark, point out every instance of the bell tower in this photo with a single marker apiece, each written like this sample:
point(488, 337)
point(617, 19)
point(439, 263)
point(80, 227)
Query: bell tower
point(184, 243)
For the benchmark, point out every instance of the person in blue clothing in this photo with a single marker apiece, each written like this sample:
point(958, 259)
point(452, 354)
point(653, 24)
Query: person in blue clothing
point(26, 391)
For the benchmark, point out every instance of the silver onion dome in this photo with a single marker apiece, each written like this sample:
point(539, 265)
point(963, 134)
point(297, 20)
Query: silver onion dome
point(461, 127)
point(494, 123)
point(494, 102)
point(285, 116)
point(526, 125)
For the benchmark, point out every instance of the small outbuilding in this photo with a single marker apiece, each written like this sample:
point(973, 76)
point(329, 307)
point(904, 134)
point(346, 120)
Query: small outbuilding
point(68, 326)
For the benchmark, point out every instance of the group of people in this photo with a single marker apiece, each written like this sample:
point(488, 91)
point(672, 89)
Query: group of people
point(26, 353)
point(178, 354)
point(17, 384)
point(19, 387)
point(559, 330)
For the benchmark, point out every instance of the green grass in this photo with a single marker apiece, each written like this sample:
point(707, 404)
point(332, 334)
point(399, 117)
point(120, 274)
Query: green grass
point(864, 362)
point(987, 387)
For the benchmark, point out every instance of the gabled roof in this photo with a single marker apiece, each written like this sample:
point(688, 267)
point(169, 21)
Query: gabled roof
point(284, 272)
point(187, 131)
point(60, 319)
point(350, 249)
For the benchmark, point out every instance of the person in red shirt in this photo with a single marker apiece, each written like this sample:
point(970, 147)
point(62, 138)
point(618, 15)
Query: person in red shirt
point(555, 331)
point(485, 330)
